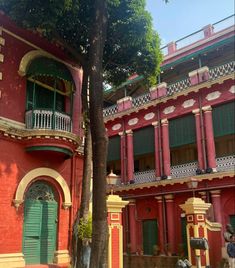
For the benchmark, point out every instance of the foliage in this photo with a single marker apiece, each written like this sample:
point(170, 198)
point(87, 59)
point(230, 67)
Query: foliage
point(85, 228)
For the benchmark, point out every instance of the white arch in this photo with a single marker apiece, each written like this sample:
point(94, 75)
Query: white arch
point(31, 175)
point(29, 57)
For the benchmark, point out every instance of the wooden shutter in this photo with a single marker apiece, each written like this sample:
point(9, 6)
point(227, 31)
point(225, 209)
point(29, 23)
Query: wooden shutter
point(182, 131)
point(224, 119)
point(143, 141)
point(149, 236)
point(32, 231)
point(114, 149)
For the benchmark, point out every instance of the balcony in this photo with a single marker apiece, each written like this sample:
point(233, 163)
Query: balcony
point(48, 119)
point(224, 164)
point(179, 86)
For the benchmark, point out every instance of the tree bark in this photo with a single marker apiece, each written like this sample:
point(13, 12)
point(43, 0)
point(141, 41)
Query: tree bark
point(99, 138)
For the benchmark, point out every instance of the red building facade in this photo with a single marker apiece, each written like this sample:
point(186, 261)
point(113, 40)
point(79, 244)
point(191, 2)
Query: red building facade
point(179, 129)
point(40, 160)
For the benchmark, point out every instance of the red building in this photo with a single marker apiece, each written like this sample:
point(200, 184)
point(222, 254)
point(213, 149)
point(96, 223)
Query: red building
point(161, 137)
point(40, 135)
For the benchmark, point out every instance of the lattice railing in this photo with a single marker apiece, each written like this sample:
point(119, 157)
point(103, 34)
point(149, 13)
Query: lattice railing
point(184, 170)
point(178, 86)
point(225, 163)
point(110, 110)
point(47, 119)
point(145, 176)
point(222, 70)
point(140, 100)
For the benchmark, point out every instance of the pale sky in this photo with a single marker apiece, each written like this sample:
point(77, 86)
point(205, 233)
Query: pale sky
point(179, 18)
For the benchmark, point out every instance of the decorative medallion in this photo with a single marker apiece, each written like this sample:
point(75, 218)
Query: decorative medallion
point(213, 95)
point(149, 116)
point(133, 121)
point(188, 103)
point(169, 110)
point(116, 126)
point(232, 89)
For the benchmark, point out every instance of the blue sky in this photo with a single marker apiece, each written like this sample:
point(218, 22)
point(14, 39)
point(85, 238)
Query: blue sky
point(179, 18)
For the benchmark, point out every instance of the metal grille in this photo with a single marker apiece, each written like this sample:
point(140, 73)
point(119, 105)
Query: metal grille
point(138, 101)
point(184, 170)
point(145, 176)
point(178, 86)
point(40, 191)
point(225, 163)
point(110, 110)
point(222, 70)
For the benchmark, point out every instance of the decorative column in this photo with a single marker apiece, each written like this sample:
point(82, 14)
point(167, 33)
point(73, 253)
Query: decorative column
point(166, 148)
point(156, 149)
point(132, 226)
point(123, 156)
point(195, 209)
point(210, 144)
point(216, 202)
point(199, 139)
point(160, 223)
point(115, 247)
point(130, 155)
point(170, 211)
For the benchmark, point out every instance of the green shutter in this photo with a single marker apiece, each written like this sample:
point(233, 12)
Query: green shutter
point(47, 67)
point(184, 235)
point(182, 131)
point(32, 231)
point(143, 141)
point(224, 119)
point(114, 149)
point(232, 221)
point(150, 238)
point(29, 96)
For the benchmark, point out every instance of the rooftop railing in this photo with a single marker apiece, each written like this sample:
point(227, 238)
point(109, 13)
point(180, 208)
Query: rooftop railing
point(214, 73)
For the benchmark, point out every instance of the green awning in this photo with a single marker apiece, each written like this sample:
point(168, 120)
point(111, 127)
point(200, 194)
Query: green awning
point(47, 67)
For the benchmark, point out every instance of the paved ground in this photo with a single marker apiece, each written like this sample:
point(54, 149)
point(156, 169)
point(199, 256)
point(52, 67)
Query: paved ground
point(47, 266)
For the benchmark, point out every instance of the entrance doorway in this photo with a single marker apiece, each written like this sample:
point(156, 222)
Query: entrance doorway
point(40, 224)
point(150, 238)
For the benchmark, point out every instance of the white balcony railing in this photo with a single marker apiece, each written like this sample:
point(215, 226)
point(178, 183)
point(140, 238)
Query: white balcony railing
point(184, 170)
point(47, 119)
point(145, 176)
point(225, 163)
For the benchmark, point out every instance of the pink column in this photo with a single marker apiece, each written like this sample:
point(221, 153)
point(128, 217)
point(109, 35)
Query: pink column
point(166, 148)
point(210, 144)
point(130, 155)
point(123, 156)
point(170, 222)
point(199, 139)
point(156, 146)
point(132, 226)
point(216, 202)
point(160, 224)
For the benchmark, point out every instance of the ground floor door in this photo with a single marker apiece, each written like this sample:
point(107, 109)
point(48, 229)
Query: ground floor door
point(40, 224)
point(150, 239)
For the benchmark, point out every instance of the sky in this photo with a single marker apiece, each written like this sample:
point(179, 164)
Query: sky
point(179, 18)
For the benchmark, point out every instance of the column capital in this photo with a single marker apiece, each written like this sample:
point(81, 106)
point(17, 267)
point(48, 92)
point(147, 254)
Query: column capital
point(164, 121)
point(207, 108)
point(131, 202)
point(169, 197)
point(215, 193)
point(159, 198)
point(129, 132)
point(196, 111)
point(155, 124)
point(122, 133)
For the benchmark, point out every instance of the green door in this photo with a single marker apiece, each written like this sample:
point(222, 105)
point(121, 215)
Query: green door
point(150, 238)
point(40, 217)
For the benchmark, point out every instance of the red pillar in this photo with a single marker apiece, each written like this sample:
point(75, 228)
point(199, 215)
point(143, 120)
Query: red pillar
point(130, 155)
point(216, 202)
point(132, 226)
point(170, 222)
point(156, 149)
point(166, 148)
point(123, 156)
point(160, 224)
point(210, 144)
point(199, 139)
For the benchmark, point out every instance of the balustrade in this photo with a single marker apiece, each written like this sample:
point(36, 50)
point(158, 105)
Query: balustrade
point(225, 163)
point(184, 170)
point(46, 119)
point(145, 176)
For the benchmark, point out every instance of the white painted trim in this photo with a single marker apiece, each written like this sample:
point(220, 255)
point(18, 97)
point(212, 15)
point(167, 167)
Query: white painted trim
point(38, 172)
point(12, 260)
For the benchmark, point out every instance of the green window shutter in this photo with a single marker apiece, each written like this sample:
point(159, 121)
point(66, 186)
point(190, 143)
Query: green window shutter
point(150, 238)
point(114, 149)
point(182, 131)
point(29, 96)
point(143, 141)
point(224, 119)
point(43, 98)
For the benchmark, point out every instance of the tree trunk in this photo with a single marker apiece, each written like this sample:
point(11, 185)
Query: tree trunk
point(99, 138)
point(86, 180)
